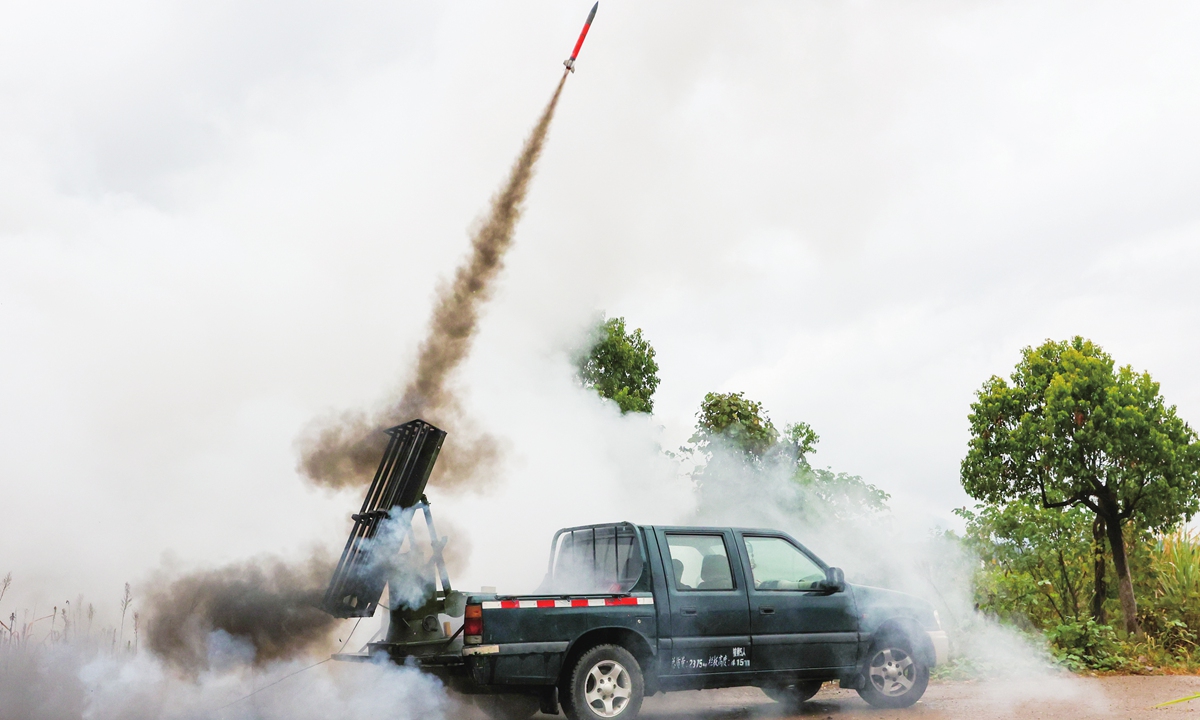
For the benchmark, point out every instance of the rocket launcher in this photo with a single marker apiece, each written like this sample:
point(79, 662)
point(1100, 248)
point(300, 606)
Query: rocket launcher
point(396, 492)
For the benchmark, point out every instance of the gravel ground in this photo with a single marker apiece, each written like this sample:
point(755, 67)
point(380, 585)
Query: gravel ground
point(1061, 697)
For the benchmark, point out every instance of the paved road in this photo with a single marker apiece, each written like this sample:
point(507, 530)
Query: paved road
point(1050, 699)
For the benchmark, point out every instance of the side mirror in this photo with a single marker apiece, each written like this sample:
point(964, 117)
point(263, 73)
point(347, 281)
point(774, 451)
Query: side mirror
point(835, 580)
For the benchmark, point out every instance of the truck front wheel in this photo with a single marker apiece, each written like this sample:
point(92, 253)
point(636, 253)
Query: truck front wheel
point(895, 676)
point(606, 683)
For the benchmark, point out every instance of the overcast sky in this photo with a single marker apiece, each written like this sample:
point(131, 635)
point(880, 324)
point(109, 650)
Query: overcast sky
point(219, 221)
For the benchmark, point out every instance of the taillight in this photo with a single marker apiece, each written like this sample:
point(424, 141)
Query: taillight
point(473, 625)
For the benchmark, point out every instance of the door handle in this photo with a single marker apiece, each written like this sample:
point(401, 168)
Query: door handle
point(687, 611)
point(766, 610)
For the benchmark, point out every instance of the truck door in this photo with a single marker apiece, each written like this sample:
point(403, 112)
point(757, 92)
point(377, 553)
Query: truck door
point(710, 616)
point(795, 624)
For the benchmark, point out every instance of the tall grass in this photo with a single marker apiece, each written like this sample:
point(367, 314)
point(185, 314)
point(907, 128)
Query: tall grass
point(1176, 566)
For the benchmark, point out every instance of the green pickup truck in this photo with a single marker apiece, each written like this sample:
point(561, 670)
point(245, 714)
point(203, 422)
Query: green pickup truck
point(632, 610)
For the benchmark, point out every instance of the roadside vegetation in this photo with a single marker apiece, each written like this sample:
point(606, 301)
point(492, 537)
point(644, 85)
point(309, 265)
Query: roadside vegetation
point(1037, 572)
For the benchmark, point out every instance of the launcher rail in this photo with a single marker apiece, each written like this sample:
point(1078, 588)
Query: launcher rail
point(399, 485)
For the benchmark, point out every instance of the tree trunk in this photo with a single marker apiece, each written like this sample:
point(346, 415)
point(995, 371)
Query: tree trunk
point(1124, 583)
point(1099, 561)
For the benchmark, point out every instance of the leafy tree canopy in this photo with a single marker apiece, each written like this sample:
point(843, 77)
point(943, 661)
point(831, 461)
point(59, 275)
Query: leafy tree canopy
point(839, 495)
point(620, 366)
point(740, 422)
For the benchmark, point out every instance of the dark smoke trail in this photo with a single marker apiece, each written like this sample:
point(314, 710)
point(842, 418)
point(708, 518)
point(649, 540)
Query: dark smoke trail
point(267, 607)
point(347, 452)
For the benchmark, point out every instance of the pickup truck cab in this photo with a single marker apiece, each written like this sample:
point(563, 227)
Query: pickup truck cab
point(630, 610)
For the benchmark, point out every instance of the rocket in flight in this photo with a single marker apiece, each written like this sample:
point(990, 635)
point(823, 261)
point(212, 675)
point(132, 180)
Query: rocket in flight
point(570, 62)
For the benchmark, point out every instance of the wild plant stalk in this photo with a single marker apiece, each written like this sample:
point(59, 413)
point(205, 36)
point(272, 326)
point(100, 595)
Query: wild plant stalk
point(137, 616)
point(4, 584)
point(27, 626)
point(126, 599)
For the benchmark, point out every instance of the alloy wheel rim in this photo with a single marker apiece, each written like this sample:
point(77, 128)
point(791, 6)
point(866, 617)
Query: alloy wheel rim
point(608, 688)
point(892, 672)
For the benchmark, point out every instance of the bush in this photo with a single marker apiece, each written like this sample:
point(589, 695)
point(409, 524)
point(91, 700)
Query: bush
point(1086, 644)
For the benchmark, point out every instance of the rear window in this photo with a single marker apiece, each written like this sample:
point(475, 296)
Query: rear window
point(594, 560)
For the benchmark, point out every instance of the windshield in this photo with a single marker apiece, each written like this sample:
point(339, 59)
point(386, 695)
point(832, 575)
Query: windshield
point(594, 560)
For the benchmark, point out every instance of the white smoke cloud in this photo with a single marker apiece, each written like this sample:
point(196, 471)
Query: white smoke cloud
point(64, 681)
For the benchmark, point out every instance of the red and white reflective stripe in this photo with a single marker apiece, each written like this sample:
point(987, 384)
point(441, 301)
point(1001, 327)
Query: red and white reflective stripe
point(572, 602)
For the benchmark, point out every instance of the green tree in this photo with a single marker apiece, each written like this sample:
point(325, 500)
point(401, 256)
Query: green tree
point(620, 366)
point(1071, 429)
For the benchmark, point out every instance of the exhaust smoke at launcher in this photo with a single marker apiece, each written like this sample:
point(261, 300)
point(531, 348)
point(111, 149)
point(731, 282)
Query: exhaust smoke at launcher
point(345, 453)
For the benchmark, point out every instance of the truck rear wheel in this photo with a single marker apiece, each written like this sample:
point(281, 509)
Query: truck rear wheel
point(895, 676)
point(606, 683)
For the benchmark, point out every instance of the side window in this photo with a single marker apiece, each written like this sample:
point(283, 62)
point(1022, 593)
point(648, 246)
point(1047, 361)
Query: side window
point(699, 562)
point(776, 564)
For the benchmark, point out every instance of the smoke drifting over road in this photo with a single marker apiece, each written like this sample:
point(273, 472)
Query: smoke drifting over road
point(346, 452)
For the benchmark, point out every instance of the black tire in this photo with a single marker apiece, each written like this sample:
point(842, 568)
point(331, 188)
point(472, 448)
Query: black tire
point(895, 677)
point(508, 707)
point(606, 683)
point(793, 694)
